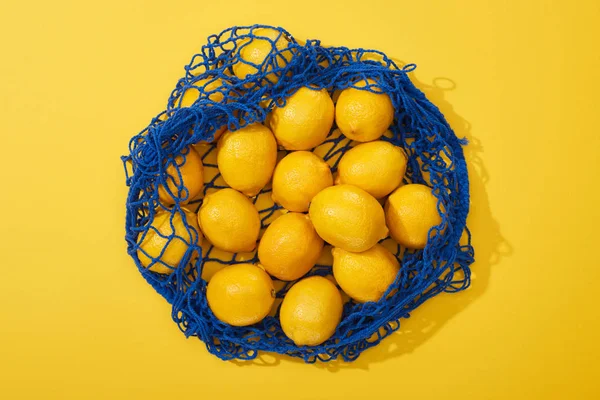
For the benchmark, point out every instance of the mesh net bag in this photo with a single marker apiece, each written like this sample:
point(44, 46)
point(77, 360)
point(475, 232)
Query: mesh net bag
point(435, 158)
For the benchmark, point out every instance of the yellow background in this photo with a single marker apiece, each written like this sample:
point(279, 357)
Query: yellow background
point(520, 79)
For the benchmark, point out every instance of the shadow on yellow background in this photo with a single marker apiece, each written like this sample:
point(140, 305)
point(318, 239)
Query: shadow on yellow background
point(490, 248)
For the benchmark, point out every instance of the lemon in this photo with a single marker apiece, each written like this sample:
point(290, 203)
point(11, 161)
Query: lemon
point(246, 158)
point(333, 148)
point(348, 217)
point(377, 167)
point(205, 85)
point(304, 121)
point(365, 276)
point(184, 178)
point(256, 50)
point(289, 247)
point(411, 211)
point(311, 311)
point(210, 85)
point(362, 115)
point(229, 220)
point(216, 259)
point(167, 240)
point(240, 294)
point(298, 177)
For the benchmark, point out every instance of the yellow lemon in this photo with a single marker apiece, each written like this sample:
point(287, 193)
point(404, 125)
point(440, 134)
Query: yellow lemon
point(333, 148)
point(411, 211)
point(305, 120)
point(256, 50)
point(167, 240)
point(189, 185)
point(348, 217)
point(229, 220)
point(240, 294)
point(377, 167)
point(362, 115)
point(365, 276)
point(215, 259)
point(311, 311)
point(210, 85)
point(298, 178)
point(206, 85)
point(246, 158)
point(289, 247)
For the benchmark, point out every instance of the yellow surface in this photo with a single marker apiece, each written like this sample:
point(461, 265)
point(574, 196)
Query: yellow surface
point(518, 78)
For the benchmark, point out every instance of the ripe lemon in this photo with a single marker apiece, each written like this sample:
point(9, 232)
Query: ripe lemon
point(256, 50)
point(311, 311)
point(333, 148)
point(189, 166)
point(240, 294)
point(229, 220)
point(411, 211)
point(289, 247)
point(362, 115)
point(246, 158)
point(365, 276)
point(206, 85)
point(305, 120)
point(377, 167)
point(210, 85)
point(298, 177)
point(348, 217)
point(216, 259)
point(167, 240)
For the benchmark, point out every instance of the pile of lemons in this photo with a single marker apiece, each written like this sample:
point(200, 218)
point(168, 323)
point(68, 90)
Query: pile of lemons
point(347, 214)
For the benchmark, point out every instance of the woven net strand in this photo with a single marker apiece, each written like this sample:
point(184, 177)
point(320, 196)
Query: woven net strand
point(435, 158)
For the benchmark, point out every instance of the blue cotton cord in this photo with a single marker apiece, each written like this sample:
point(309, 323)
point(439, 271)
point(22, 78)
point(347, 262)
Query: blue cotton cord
point(419, 128)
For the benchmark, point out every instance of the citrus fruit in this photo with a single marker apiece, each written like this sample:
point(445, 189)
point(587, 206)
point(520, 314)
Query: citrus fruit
point(229, 220)
point(254, 51)
point(216, 259)
point(184, 178)
point(411, 211)
point(311, 311)
point(167, 240)
point(304, 121)
point(348, 217)
point(362, 115)
point(240, 294)
point(298, 177)
point(210, 85)
point(365, 276)
point(289, 247)
point(205, 85)
point(246, 158)
point(377, 167)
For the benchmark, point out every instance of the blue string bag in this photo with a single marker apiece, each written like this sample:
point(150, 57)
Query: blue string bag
point(435, 158)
